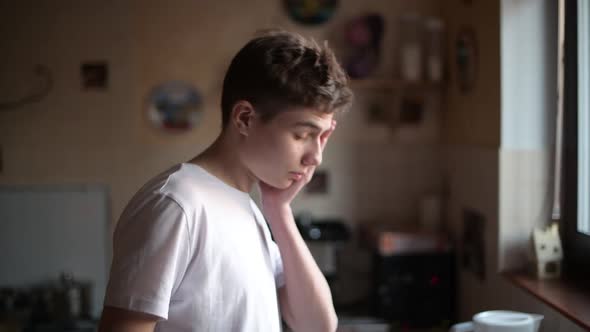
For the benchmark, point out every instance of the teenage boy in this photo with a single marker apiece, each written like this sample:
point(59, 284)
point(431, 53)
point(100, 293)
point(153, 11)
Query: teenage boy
point(192, 251)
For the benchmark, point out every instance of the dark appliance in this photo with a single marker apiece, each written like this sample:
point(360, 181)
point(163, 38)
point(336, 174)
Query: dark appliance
point(414, 290)
point(324, 238)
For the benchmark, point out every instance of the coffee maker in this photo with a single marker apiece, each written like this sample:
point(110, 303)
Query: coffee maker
point(323, 237)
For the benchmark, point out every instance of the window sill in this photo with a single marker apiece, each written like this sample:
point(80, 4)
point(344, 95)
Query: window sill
point(568, 297)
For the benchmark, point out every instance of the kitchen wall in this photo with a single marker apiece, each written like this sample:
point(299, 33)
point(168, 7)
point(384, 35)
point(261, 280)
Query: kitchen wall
point(529, 107)
point(77, 136)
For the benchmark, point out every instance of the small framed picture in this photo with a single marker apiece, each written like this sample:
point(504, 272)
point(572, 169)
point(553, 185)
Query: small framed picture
point(94, 75)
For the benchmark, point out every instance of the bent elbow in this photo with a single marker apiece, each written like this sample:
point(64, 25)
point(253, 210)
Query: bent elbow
point(332, 323)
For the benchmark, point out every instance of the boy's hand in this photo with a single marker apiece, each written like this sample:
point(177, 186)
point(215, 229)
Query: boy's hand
point(274, 197)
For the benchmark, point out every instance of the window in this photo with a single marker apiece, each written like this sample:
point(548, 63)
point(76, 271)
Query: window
point(576, 134)
point(583, 118)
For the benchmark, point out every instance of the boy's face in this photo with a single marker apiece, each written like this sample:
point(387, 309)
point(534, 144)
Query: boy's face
point(282, 150)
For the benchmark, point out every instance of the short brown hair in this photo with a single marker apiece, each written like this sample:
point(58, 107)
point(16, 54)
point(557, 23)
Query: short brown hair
point(279, 70)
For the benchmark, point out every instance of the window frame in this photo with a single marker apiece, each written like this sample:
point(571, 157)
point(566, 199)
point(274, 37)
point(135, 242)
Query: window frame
point(576, 244)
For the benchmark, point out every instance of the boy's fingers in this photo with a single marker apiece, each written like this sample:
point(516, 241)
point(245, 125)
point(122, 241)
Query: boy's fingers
point(327, 134)
point(329, 131)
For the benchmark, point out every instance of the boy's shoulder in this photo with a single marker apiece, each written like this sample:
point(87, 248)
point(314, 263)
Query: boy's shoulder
point(190, 186)
point(179, 181)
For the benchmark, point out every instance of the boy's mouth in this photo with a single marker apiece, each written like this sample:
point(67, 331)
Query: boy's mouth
point(296, 175)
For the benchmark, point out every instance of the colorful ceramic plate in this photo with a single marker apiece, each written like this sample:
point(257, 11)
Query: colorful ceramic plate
point(175, 106)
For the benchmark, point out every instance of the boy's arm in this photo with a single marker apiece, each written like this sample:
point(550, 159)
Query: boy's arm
point(150, 255)
point(120, 320)
point(305, 299)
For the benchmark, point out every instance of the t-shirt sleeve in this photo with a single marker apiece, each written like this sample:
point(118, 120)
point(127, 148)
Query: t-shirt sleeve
point(151, 250)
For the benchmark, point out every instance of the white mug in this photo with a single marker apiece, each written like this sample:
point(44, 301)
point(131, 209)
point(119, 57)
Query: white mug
point(500, 321)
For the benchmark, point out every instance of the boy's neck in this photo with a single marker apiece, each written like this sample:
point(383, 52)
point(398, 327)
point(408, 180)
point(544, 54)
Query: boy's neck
point(222, 160)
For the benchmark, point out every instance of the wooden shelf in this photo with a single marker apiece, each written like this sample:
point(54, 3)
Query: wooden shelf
point(569, 297)
point(392, 84)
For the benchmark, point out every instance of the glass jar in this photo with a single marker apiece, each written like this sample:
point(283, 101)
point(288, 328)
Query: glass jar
point(411, 48)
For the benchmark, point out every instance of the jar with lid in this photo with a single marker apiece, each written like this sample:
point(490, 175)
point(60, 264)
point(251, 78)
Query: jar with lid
point(411, 47)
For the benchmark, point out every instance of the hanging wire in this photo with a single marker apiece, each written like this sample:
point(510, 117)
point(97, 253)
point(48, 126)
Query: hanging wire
point(47, 83)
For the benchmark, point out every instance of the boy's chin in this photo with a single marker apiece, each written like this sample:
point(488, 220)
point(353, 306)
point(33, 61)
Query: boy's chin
point(284, 184)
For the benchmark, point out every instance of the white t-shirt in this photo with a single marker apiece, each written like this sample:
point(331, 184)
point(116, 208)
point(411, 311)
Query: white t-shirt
point(196, 252)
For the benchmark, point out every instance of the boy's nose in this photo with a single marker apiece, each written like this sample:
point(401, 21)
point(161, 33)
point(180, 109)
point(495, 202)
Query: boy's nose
point(313, 157)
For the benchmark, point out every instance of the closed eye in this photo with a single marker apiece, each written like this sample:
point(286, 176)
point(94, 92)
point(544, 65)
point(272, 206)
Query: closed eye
point(305, 135)
point(304, 129)
point(300, 136)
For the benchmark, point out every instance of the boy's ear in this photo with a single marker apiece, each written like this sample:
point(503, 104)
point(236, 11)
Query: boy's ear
point(243, 115)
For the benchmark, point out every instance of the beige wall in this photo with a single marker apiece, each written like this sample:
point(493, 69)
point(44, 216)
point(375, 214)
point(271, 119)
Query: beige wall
point(76, 136)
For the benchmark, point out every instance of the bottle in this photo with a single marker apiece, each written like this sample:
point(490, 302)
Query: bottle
point(434, 45)
point(72, 295)
point(411, 48)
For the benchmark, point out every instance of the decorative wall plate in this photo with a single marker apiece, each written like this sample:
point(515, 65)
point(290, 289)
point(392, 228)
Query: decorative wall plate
point(364, 35)
point(467, 58)
point(174, 106)
point(311, 12)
